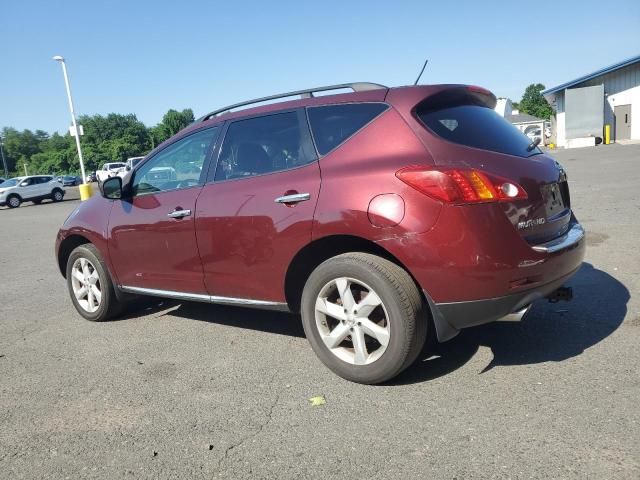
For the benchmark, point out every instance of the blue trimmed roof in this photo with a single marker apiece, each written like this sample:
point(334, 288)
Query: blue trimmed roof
point(602, 71)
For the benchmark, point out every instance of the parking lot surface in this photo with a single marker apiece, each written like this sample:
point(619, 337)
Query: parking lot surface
point(190, 390)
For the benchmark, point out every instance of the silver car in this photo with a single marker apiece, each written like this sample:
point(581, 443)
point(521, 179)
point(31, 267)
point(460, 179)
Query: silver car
point(33, 188)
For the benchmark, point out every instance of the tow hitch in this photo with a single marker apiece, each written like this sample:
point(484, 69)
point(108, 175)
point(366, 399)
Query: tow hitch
point(564, 294)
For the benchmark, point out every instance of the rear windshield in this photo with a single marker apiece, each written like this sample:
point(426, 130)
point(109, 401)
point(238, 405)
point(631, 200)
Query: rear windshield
point(477, 126)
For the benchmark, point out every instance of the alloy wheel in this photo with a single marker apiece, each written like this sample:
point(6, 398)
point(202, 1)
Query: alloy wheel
point(86, 286)
point(352, 321)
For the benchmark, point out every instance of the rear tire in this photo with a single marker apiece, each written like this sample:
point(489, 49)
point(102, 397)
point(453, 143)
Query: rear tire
point(57, 195)
point(380, 341)
point(90, 285)
point(14, 201)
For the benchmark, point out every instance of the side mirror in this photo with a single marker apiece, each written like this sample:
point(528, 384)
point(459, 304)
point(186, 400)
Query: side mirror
point(24, 184)
point(111, 188)
point(128, 168)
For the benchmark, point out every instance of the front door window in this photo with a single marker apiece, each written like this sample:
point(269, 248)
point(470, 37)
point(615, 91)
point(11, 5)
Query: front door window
point(178, 166)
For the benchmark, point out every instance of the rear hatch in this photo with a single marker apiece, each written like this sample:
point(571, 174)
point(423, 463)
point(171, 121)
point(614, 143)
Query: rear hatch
point(465, 132)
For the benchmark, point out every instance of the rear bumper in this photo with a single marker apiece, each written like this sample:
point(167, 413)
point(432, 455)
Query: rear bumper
point(574, 235)
point(451, 317)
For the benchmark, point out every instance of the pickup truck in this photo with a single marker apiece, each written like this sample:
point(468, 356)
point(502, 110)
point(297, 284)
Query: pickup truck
point(131, 162)
point(109, 170)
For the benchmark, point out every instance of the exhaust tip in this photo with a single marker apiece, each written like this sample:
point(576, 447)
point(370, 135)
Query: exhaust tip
point(516, 316)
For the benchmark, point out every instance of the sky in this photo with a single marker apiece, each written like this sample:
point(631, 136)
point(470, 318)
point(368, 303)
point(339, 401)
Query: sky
point(147, 56)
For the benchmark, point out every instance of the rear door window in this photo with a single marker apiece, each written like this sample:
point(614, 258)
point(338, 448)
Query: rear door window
point(332, 125)
point(261, 145)
point(479, 127)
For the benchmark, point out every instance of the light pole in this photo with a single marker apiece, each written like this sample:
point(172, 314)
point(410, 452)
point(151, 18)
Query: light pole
point(4, 160)
point(85, 189)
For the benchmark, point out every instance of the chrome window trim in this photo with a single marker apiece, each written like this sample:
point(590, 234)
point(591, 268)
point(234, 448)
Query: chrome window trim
point(198, 297)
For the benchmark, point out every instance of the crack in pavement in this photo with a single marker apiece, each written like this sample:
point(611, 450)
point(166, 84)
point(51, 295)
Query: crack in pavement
point(254, 434)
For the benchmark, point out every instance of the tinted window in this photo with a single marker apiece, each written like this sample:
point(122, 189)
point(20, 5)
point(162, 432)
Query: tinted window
point(333, 124)
point(477, 126)
point(177, 166)
point(45, 179)
point(262, 145)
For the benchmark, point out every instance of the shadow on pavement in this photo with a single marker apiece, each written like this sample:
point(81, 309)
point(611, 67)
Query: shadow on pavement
point(280, 323)
point(29, 203)
point(551, 332)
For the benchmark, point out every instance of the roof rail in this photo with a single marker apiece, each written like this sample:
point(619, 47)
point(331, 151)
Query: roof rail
point(308, 93)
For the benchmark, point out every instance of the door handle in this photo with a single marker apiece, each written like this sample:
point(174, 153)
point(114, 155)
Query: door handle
point(179, 213)
point(294, 198)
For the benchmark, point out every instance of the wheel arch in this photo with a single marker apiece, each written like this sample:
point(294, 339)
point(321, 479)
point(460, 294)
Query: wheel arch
point(316, 252)
point(68, 245)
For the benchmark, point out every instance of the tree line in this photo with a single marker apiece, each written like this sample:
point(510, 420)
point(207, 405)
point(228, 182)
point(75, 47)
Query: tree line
point(110, 138)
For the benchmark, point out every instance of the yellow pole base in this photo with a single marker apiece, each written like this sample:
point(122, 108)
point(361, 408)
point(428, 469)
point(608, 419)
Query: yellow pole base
point(85, 191)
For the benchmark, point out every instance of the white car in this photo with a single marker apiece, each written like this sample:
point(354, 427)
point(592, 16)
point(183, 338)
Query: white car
point(33, 188)
point(109, 170)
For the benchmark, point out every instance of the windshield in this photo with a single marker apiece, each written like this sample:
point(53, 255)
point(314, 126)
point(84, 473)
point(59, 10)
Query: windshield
point(12, 182)
point(113, 166)
point(479, 127)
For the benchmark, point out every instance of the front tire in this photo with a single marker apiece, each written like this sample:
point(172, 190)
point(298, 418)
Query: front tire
point(14, 201)
point(90, 286)
point(364, 317)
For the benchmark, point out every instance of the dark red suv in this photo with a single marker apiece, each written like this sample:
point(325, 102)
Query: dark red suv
point(382, 215)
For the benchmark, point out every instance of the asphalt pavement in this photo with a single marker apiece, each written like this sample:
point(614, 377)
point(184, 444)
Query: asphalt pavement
point(185, 390)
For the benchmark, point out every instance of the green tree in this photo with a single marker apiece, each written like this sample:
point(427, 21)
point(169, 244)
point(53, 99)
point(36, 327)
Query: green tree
point(112, 138)
point(20, 146)
point(58, 155)
point(109, 138)
point(534, 103)
point(172, 122)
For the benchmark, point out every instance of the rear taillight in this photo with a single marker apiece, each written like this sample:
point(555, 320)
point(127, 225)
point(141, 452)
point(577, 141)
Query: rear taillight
point(457, 185)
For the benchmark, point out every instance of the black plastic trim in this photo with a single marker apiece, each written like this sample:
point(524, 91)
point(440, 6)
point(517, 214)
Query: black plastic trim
point(450, 318)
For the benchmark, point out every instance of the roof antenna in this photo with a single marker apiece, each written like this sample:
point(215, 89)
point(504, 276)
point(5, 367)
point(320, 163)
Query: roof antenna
point(422, 71)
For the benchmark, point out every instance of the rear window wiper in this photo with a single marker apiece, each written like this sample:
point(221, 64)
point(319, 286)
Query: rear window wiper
point(534, 143)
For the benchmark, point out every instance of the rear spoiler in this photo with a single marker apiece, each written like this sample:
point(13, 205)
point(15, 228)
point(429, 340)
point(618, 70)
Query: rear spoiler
point(459, 95)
